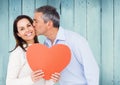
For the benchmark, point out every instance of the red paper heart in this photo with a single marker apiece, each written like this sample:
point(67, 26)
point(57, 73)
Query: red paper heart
point(50, 60)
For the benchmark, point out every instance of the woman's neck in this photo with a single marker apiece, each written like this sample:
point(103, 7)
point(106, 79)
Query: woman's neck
point(30, 42)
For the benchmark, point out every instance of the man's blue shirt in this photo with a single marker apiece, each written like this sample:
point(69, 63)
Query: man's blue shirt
point(82, 69)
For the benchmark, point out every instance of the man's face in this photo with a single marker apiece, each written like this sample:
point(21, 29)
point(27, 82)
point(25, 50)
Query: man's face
point(39, 24)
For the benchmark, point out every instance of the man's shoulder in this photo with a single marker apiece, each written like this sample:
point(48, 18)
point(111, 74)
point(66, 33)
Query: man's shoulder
point(73, 34)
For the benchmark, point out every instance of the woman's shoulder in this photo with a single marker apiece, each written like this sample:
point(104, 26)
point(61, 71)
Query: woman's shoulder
point(17, 57)
point(17, 51)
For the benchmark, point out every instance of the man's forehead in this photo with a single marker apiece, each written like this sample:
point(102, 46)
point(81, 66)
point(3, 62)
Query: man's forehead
point(37, 15)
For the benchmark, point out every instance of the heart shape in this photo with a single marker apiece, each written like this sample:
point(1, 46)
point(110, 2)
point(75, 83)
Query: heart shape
point(50, 60)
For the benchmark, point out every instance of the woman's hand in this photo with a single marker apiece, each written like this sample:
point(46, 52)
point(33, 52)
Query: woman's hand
point(37, 75)
point(55, 77)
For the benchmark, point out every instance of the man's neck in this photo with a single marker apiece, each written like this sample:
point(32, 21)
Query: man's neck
point(52, 34)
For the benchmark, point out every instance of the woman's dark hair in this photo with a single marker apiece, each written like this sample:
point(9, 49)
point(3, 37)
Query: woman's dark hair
point(19, 41)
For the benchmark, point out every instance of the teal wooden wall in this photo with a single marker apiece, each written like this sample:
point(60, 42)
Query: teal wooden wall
point(97, 20)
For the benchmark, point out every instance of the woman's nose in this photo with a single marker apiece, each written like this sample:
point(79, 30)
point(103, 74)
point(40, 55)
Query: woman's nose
point(26, 29)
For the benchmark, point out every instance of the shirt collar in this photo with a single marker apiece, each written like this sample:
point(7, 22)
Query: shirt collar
point(60, 34)
point(59, 37)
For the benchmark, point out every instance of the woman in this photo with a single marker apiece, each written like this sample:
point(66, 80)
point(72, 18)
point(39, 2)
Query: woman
point(19, 72)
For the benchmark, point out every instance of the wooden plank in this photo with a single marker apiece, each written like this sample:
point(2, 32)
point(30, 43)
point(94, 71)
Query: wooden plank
point(39, 3)
point(93, 28)
point(107, 43)
point(80, 17)
point(3, 40)
point(14, 11)
point(28, 9)
point(1, 67)
point(67, 7)
point(116, 42)
point(55, 3)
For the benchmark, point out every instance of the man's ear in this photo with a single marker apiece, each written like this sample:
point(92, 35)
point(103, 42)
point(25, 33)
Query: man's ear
point(50, 23)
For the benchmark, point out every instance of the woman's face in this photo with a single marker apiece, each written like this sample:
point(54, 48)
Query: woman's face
point(26, 30)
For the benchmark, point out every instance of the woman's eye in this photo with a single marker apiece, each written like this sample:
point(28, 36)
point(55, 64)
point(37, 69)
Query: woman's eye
point(29, 25)
point(21, 29)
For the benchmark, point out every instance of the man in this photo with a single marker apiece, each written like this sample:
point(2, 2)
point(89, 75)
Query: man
point(82, 69)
